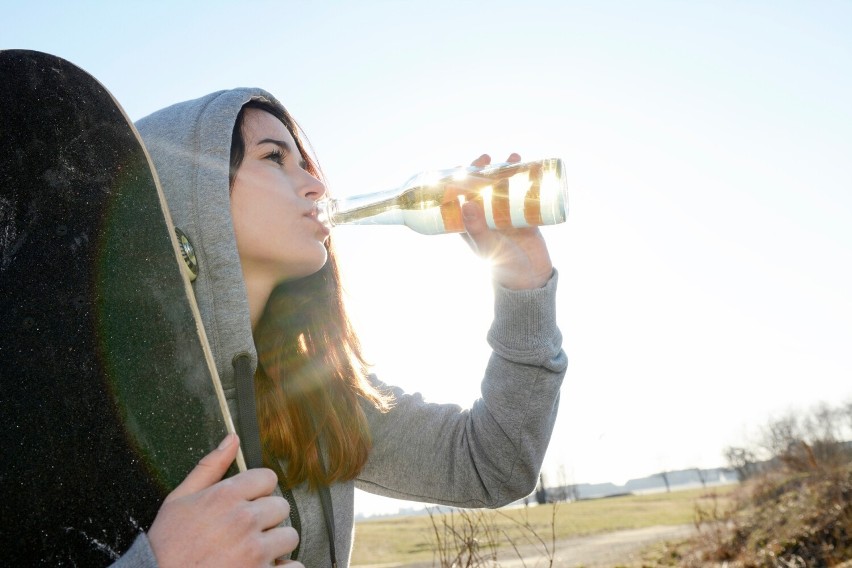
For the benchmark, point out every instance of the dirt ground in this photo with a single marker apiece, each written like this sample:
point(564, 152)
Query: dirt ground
point(618, 548)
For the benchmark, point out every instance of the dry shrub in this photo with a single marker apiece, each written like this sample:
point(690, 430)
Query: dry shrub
point(781, 519)
point(470, 538)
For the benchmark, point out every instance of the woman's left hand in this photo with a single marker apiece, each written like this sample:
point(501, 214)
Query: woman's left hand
point(519, 258)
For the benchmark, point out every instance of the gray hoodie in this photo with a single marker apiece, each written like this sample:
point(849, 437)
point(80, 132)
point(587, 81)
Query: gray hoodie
point(485, 456)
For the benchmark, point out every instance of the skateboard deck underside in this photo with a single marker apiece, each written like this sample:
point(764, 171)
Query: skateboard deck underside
point(107, 395)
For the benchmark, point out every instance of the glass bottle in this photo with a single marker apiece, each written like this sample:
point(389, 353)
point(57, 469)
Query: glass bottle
point(521, 194)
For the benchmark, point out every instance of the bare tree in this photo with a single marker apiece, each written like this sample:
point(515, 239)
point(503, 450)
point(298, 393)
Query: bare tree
point(847, 422)
point(541, 491)
point(801, 442)
point(743, 461)
point(780, 434)
point(665, 477)
point(701, 476)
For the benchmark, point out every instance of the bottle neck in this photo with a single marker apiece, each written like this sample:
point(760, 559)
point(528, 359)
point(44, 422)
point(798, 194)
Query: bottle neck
point(369, 209)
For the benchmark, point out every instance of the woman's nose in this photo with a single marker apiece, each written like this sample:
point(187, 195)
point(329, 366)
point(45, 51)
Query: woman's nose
point(312, 188)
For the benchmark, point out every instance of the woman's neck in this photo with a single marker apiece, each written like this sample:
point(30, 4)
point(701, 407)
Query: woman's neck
point(258, 290)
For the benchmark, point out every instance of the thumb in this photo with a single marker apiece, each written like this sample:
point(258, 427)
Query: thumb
point(209, 470)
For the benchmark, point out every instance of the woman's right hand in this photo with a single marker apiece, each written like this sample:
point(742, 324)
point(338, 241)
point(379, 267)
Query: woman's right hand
point(519, 258)
point(208, 521)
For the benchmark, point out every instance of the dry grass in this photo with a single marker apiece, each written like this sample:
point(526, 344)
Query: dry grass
point(412, 538)
point(782, 519)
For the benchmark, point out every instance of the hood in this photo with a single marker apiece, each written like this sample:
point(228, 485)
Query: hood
point(190, 144)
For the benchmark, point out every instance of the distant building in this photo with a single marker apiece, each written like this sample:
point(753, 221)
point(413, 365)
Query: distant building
point(682, 479)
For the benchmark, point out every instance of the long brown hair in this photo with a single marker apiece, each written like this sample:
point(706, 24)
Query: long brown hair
point(311, 379)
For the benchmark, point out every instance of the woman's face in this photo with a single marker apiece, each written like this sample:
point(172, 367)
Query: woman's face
point(272, 204)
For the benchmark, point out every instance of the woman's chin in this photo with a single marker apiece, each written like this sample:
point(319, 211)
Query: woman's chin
point(305, 269)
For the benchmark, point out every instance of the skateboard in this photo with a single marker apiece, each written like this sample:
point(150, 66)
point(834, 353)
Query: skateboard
point(108, 391)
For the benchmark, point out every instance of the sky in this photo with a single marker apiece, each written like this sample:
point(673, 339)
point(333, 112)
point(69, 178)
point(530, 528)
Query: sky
point(705, 267)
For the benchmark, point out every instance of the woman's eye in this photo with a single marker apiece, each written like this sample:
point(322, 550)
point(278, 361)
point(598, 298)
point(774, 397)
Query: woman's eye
point(276, 156)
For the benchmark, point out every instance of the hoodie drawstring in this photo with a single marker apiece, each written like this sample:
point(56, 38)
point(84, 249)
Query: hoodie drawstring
point(250, 438)
point(247, 411)
point(328, 514)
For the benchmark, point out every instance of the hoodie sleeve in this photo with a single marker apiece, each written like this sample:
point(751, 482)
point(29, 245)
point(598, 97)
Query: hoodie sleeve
point(139, 555)
point(490, 454)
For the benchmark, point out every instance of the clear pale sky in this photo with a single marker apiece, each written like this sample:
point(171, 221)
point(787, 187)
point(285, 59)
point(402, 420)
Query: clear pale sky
point(706, 264)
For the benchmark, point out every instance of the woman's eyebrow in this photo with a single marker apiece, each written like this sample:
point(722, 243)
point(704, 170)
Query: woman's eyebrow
point(280, 143)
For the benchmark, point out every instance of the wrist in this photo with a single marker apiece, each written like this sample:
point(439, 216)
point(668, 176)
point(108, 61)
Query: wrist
point(526, 280)
point(525, 320)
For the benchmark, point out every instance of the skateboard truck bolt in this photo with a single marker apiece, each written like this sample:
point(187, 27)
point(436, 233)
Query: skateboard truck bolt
point(188, 253)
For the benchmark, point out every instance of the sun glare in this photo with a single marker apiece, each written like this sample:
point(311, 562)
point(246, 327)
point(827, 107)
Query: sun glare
point(429, 178)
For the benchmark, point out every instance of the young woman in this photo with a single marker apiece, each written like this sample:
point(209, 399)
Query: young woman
point(241, 186)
